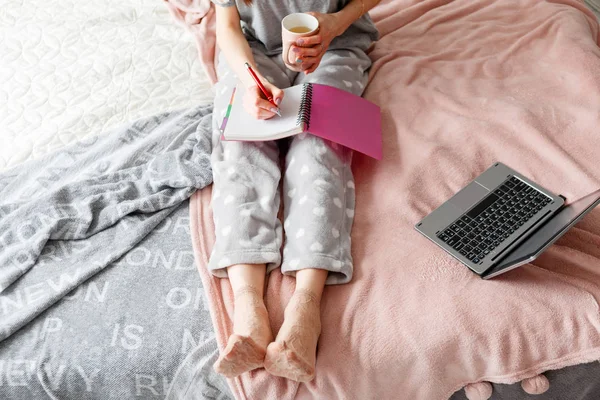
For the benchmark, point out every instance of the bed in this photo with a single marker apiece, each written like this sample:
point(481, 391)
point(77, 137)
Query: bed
point(70, 72)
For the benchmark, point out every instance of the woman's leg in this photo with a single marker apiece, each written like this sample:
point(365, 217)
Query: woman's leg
point(248, 233)
point(319, 206)
point(246, 348)
point(248, 239)
point(311, 280)
point(319, 211)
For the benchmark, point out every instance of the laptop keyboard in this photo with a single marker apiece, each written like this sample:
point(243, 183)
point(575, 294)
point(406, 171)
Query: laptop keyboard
point(483, 228)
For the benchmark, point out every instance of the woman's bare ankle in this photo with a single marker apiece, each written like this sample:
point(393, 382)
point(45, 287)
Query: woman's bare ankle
point(248, 293)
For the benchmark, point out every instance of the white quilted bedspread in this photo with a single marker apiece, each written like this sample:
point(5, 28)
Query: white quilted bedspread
point(70, 69)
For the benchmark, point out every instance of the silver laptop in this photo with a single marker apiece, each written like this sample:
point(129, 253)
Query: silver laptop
point(502, 220)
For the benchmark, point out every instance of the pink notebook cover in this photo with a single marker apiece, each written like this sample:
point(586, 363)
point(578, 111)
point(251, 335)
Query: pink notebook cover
point(346, 119)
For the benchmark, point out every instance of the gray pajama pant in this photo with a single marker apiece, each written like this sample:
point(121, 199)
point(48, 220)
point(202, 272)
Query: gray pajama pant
point(318, 187)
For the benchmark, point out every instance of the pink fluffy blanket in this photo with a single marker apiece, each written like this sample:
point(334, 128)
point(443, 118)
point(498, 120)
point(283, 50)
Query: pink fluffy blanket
point(198, 16)
point(462, 84)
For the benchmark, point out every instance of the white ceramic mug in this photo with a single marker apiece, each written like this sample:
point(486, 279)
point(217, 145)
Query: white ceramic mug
point(295, 26)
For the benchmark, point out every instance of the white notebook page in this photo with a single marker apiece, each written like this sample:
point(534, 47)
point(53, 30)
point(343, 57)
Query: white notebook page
point(243, 126)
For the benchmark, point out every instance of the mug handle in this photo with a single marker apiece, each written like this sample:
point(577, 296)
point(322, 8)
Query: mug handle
point(285, 54)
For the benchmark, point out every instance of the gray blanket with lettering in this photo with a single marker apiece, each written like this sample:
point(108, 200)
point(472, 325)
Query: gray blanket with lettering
point(99, 294)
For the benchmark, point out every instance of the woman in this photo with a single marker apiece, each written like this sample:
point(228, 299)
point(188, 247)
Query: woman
point(318, 185)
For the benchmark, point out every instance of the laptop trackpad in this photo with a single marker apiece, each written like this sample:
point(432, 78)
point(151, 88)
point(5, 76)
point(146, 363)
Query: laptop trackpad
point(469, 196)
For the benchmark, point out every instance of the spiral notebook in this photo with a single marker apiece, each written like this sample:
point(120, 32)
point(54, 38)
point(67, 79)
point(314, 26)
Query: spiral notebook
point(320, 110)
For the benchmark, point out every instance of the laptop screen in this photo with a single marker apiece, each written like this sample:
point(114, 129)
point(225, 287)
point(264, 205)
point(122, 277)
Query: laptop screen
point(548, 233)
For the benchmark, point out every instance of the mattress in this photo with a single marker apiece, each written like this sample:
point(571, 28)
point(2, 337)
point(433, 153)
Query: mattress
point(72, 69)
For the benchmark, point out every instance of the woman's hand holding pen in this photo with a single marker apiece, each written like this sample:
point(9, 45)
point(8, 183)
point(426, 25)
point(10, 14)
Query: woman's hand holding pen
point(256, 104)
point(262, 100)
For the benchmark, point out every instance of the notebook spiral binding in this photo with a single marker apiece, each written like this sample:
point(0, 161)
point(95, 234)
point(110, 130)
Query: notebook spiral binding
point(305, 105)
